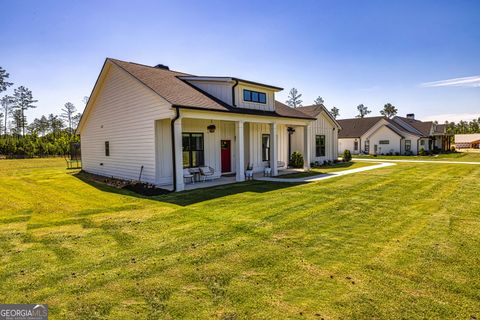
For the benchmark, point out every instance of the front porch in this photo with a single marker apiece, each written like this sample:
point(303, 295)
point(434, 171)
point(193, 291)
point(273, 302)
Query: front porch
point(228, 145)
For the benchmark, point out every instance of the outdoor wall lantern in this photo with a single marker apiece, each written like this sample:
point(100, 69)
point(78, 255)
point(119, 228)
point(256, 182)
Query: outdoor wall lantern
point(211, 128)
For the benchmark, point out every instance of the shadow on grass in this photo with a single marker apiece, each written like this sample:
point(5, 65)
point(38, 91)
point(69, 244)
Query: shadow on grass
point(190, 197)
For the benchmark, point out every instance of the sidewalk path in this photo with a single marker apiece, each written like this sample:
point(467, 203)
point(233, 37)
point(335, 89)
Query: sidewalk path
point(326, 175)
point(417, 161)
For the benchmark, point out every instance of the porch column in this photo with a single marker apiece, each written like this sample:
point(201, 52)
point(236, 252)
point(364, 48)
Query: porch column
point(307, 137)
point(177, 136)
point(273, 149)
point(239, 151)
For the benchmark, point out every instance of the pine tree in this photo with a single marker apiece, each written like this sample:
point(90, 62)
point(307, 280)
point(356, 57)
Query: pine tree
point(67, 114)
point(362, 111)
point(294, 98)
point(389, 110)
point(6, 102)
point(23, 101)
point(318, 101)
point(335, 112)
point(3, 82)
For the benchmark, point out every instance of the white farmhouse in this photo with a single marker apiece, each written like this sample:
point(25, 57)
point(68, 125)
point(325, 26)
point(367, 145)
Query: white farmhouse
point(161, 121)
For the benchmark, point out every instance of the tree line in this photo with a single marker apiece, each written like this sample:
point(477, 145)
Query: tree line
point(49, 135)
point(389, 111)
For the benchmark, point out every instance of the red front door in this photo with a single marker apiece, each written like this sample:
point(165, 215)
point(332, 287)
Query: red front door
point(226, 156)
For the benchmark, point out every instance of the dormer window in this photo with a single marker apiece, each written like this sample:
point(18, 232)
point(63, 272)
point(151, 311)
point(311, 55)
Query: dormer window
point(254, 96)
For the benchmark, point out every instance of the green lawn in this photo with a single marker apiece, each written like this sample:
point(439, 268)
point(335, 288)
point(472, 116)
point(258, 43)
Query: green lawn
point(341, 166)
point(397, 242)
point(458, 156)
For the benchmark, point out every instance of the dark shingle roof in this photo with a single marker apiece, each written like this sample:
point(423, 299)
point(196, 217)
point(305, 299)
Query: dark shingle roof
point(422, 127)
point(179, 93)
point(356, 127)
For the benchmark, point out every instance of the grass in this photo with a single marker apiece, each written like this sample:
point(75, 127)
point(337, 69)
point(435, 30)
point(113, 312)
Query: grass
point(341, 166)
point(397, 242)
point(457, 156)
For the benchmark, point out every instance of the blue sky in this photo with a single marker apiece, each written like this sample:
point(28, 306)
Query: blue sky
point(348, 52)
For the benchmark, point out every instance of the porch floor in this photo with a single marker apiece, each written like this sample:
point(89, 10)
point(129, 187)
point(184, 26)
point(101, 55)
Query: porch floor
point(210, 183)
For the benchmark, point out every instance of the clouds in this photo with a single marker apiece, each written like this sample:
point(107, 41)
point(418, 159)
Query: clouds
point(473, 81)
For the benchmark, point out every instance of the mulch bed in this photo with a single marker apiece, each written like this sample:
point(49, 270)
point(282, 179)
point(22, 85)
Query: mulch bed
point(145, 189)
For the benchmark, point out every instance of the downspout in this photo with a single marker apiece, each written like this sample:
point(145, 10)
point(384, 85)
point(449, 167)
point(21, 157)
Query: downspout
point(233, 93)
point(174, 166)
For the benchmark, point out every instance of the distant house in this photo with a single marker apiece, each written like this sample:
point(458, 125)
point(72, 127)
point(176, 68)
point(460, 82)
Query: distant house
point(467, 141)
point(400, 135)
point(159, 122)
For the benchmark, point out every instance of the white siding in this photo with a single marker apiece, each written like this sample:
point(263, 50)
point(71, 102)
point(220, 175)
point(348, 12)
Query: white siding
point(225, 130)
point(384, 133)
point(324, 126)
point(269, 106)
point(348, 144)
point(220, 90)
point(253, 144)
point(124, 114)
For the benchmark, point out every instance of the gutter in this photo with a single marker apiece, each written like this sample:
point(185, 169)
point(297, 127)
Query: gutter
point(233, 92)
point(172, 126)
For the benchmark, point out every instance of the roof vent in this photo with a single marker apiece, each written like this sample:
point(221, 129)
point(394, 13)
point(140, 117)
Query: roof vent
point(162, 66)
point(410, 115)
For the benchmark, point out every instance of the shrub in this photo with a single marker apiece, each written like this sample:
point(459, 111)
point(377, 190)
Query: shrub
point(422, 152)
point(347, 156)
point(296, 160)
point(452, 148)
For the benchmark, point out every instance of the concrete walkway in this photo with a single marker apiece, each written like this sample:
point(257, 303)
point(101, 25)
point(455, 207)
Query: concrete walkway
point(326, 175)
point(417, 161)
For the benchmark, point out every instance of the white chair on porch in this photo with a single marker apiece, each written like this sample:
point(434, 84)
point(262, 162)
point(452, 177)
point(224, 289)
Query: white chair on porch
point(187, 175)
point(207, 173)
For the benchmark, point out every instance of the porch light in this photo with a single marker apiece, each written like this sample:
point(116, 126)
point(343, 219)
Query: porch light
point(290, 130)
point(211, 128)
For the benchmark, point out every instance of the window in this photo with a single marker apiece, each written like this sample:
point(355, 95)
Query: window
point(384, 142)
point(422, 142)
point(320, 146)
point(367, 146)
point(265, 147)
point(107, 148)
point(355, 145)
point(408, 145)
point(254, 96)
point(192, 147)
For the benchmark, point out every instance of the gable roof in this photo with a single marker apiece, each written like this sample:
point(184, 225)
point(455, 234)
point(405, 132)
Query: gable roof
point(356, 127)
point(315, 109)
point(169, 85)
point(422, 127)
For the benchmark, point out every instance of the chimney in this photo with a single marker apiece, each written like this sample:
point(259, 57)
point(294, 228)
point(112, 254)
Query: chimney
point(411, 116)
point(162, 66)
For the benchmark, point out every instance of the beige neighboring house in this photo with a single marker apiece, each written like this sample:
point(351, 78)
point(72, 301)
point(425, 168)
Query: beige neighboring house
point(159, 122)
point(399, 135)
point(467, 141)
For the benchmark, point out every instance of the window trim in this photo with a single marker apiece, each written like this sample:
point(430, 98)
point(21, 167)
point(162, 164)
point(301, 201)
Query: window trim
point(190, 150)
point(355, 145)
point(409, 145)
point(384, 142)
point(250, 95)
point(266, 149)
point(318, 145)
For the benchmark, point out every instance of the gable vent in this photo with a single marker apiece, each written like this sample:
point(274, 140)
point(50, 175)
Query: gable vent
point(162, 66)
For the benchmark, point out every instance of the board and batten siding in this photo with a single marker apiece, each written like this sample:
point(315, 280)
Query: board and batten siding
point(321, 126)
point(240, 103)
point(123, 114)
point(253, 144)
point(219, 89)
